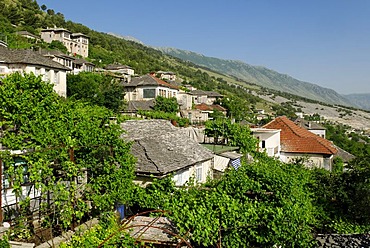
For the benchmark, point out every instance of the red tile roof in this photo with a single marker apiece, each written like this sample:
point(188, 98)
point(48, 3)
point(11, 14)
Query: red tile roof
point(206, 107)
point(296, 139)
point(163, 83)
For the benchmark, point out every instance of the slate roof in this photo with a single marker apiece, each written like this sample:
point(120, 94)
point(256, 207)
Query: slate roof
point(344, 155)
point(205, 93)
point(10, 56)
point(116, 67)
point(80, 61)
point(134, 106)
point(56, 30)
point(296, 139)
point(206, 107)
point(153, 230)
point(148, 80)
point(161, 148)
point(309, 125)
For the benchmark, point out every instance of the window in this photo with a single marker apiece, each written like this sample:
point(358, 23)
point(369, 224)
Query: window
point(149, 93)
point(198, 173)
point(263, 144)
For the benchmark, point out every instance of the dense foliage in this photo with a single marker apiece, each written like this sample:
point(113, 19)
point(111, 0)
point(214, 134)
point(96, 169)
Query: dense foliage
point(70, 149)
point(98, 89)
point(262, 204)
point(234, 134)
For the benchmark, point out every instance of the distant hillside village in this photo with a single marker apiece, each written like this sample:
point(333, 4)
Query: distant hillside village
point(285, 139)
point(161, 147)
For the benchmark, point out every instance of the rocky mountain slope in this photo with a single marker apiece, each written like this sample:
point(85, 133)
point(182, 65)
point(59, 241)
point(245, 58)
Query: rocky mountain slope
point(261, 76)
point(360, 100)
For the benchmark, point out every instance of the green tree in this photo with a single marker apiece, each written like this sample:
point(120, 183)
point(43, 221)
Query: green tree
point(164, 104)
point(97, 89)
point(64, 140)
point(57, 45)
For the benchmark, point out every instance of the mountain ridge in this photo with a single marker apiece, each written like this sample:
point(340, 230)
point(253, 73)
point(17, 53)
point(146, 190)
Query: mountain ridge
point(262, 76)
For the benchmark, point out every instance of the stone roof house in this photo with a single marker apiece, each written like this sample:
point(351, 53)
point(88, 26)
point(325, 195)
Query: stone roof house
point(162, 149)
point(207, 97)
point(167, 75)
point(148, 87)
point(311, 126)
point(27, 61)
point(297, 142)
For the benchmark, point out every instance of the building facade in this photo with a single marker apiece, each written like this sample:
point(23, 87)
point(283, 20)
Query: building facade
point(76, 43)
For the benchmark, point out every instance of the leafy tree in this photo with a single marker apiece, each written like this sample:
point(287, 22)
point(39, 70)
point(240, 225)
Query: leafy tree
point(97, 89)
point(233, 134)
point(64, 140)
point(57, 45)
point(263, 204)
point(237, 108)
point(168, 105)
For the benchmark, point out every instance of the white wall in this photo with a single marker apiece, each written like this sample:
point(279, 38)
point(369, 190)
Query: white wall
point(272, 142)
point(56, 77)
point(199, 171)
point(310, 160)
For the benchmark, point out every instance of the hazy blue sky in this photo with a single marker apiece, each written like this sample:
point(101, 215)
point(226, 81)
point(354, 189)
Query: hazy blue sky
point(326, 42)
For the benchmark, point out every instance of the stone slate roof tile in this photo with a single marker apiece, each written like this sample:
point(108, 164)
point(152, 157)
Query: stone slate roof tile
point(161, 148)
point(134, 106)
point(10, 56)
point(148, 80)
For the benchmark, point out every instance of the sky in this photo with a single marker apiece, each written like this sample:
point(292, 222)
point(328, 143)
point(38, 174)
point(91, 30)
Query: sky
point(325, 42)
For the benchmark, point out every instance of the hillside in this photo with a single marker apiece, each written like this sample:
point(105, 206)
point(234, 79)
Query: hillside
point(261, 76)
point(359, 100)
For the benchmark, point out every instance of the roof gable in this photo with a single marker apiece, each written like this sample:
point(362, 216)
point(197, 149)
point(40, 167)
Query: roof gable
point(296, 139)
point(10, 56)
point(149, 80)
point(161, 148)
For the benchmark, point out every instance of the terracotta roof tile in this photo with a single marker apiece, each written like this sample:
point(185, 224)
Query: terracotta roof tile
point(206, 107)
point(299, 140)
point(150, 80)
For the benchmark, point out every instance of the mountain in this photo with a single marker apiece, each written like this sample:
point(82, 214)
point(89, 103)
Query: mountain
point(360, 100)
point(261, 76)
point(129, 38)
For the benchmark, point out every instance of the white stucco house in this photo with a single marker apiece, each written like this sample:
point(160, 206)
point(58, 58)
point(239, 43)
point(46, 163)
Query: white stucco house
point(297, 143)
point(148, 87)
point(166, 75)
point(268, 140)
point(27, 61)
point(207, 97)
point(162, 149)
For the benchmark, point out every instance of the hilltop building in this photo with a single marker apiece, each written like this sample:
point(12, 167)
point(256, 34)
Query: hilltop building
point(76, 43)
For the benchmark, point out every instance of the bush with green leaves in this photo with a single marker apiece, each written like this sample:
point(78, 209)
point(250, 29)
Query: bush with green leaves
point(263, 204)
point(62, 140)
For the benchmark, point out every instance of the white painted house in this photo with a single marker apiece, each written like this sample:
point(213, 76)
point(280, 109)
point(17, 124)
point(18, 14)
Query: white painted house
point(148, 87)
point(268, 140)
point(298, 143)
point(162, 149)
point(27, 61)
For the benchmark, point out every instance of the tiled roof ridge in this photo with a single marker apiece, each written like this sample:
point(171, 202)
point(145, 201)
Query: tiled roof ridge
point(303, 133)
point(325, 143)
point(161, 82)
